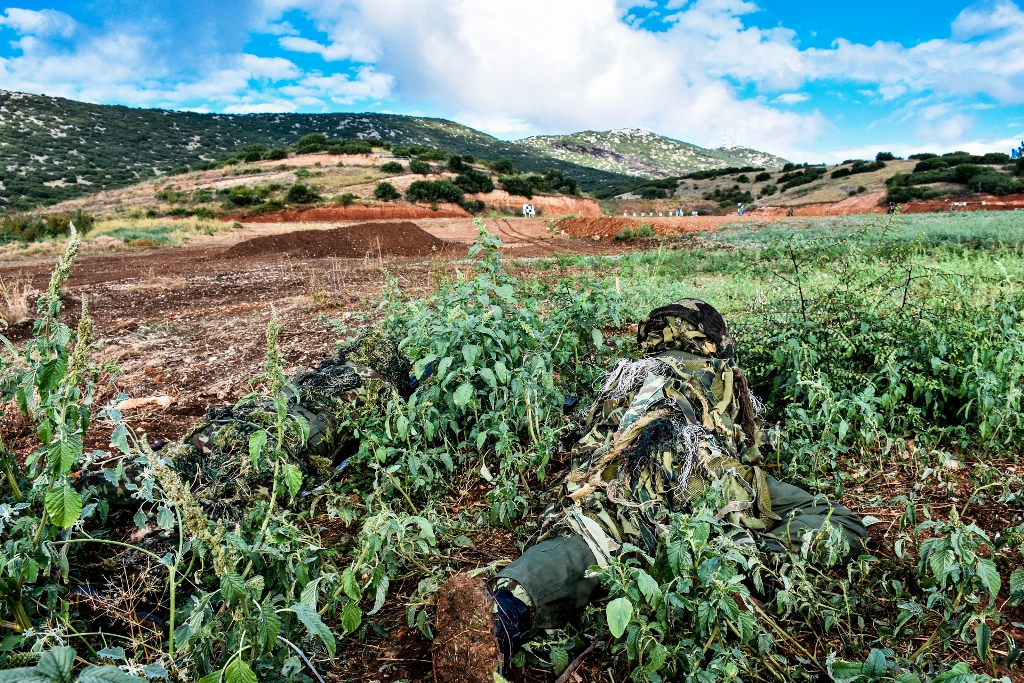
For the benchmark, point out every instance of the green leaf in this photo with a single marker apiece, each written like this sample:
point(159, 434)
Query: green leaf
point(907, 677)
point(239, 672)
point(463, 394)
point(983, 638)
point(106, 674)
point(619, 612)
point(293, 478)
point(165, 518)
point(27, 674)
point(64, 505)
point(316, 627)
point(211, 678)
point(64, 453)
point(989, 576)
point(56, 664)
point(843, 672)
point(875, 665)
point(232, 587)
point(648, 586)
point(489, 377)
point(51, 373)
point(351, 617)
point(257, 440)
point(560, 660)
point(311, 593)
point(471, 352)
point(1017, 586)
point(119, 439)
point(442, 367)
point(141, 520)
point(501, 372)
point(656, 659)
point(598, 338)
point(960, 672)
point(268, 630)
point(350, 585)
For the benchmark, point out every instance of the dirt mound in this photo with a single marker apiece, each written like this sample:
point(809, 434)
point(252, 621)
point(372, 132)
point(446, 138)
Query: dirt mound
point(355, 212)
point(465, 649)
point(387, 239)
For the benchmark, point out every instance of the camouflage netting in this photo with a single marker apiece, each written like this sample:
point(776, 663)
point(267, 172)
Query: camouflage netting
point(332, 397)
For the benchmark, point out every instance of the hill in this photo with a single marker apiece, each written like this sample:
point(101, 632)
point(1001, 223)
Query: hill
point(53, 149)
point(633, 151)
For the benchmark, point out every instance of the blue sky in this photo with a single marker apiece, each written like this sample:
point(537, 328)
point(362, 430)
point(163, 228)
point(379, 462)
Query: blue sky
point(812, 81)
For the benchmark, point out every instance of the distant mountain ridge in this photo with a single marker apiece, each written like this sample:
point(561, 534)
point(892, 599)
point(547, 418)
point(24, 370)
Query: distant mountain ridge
point(635, 151)
point(52, 149)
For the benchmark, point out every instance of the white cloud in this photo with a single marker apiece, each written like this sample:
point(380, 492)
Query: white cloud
point(792, 98)
point(45, 22)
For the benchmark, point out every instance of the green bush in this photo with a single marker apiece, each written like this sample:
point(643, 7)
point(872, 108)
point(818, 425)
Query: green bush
point(300, 193)
point(276, 154)
point(419, 167)
point(22, 227)
point(314, 142)
point(762, 177)
point(742, 179)
point(768, 190)
point(503, 167)
point(391, 167)
point(455, 164)
point(473, 181)
point(386, 192)
point(885, 156)
point(517, 185)
point(434, 191)
point(644, 231)
point(432, 155)
point(474, 206)
point(346, 199)
point(469, 158)
point(841, 173)
point(730, 195)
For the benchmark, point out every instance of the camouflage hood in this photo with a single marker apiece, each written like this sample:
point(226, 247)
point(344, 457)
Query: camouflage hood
point(689, 325)
point(375, 349)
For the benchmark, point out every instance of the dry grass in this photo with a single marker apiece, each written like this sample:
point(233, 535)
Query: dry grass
point(15, 302)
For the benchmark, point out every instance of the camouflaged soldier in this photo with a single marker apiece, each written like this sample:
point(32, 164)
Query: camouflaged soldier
point(214, 455)
point(662, 430)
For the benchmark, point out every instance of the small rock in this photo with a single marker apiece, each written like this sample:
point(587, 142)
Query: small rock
point(130, 403)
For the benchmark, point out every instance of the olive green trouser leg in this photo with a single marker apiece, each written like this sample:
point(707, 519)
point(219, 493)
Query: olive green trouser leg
point(553, 574)
point(801, 512)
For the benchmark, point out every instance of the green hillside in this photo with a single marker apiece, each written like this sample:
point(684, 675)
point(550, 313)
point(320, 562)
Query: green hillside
point(633, 151)
point(52, 149)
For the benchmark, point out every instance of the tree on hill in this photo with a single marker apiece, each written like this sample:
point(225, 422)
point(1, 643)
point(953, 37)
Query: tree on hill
point(386, 192)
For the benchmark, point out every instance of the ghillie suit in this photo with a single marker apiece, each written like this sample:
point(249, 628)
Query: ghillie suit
point(662, 430)
point(330, 398)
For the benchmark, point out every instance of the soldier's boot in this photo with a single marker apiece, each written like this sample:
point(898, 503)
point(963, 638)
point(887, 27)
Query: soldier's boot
point(478, 632)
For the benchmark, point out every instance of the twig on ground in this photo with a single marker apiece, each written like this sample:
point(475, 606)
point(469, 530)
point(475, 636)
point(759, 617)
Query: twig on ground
point(564, 678)
point(302, 654)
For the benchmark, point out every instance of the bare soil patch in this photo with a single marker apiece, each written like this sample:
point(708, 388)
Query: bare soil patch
point(389, 239)
point(607, 227)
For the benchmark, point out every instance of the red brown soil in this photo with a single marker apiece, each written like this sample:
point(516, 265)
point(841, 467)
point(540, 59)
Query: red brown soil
point(465, 649)
point(548, 206)
point(353, 241)
point(355, 212)
point(986, 202)
point(875, 203)
point(607, 227)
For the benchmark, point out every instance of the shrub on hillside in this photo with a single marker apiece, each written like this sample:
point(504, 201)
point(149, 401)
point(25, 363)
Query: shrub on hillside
point(742, 179)
point(434, 191)
point(517, 185)
point(729, 195)
point(474, 181)
point(386, 192)
point(432, 155)
point(391, 167)
point(762, 177)
point(419, 167)
point(23, 227)
point(885, 156)
point(314, 142)
point(456, 165)
point(300, 193)
point(346, 199)
point(469, 158)
point(474, 206)
point(922, 156)
point(503, 167)
point(276, 154)
point(768, 190)
point(841, 173)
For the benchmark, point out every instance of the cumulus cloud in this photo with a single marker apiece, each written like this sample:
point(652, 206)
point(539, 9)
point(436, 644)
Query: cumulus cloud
point(515, 69)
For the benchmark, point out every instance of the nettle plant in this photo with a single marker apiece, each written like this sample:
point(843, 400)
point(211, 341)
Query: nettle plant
point(249, 591)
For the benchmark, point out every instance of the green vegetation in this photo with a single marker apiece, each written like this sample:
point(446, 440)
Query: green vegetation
point(888, 355)
point(503, 167)
point(645, 231)
point(434, 191)
point(794, 178)
point(391, 167)
point(419, 167)
point(345, 199)
point(19, 227)
point(975, 173)
point(517, 185)
point(858, 166)
point(107, 147)
point(473, 181)
point(386, 192)
point(729, 195)
point(300, 193)
point(762, 177)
